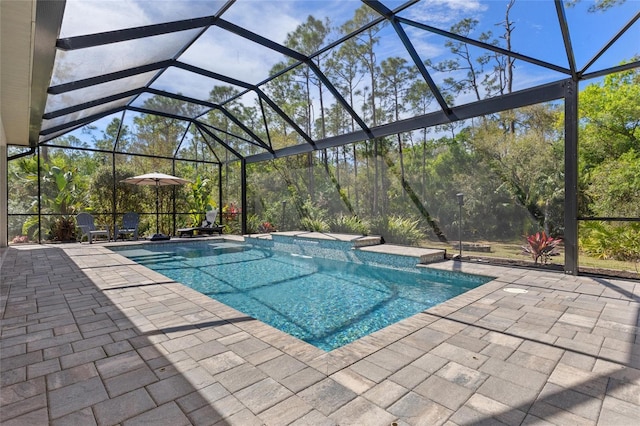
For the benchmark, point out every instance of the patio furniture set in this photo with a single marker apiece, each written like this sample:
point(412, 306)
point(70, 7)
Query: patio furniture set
point(130, 221)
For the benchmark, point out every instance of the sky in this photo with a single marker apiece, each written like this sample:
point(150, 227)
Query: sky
point(536, 33)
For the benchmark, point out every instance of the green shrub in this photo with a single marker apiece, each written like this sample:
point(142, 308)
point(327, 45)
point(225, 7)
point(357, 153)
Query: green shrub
point(611, 241)
point(314, 218)
point(232, 227)
point(316, 225)
point(61, 194)
point(350, 225)
point(199, 200)
point(253, 223)
point(401, 230)
point(63, 229)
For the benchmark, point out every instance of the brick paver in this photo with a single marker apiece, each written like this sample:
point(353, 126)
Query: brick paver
point(88, 337)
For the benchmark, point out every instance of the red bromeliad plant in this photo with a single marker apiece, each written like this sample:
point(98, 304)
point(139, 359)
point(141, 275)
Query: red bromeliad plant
point(541, 247)
point(266, 227)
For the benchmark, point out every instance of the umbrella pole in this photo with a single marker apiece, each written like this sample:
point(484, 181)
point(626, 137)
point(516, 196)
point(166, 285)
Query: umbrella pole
point(157, 209)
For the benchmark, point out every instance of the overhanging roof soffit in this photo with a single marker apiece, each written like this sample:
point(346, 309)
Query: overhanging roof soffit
point(49, 17)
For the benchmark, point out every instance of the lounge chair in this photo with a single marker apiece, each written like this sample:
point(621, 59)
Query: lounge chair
point(208, 226)
point(88, 228)
point(129, 226)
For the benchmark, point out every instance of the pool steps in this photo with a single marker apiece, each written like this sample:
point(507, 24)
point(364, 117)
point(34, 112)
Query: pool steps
point(424, 255)
point(370, 247)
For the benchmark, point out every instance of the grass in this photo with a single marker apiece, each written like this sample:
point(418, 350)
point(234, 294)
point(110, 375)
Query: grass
point(513, 251)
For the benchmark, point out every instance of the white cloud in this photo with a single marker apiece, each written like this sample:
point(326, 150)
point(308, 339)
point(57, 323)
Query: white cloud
point(463, 6)
point(225, 53)
point(95, 16)
point(228, 54)
point(262, 19)
point(427, 44)
point(444, 12)
point(89, 17)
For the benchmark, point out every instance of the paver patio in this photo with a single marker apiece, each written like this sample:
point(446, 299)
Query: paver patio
point(89, 337)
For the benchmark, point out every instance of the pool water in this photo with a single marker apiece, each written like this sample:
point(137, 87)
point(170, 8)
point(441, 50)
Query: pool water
point(327, 303)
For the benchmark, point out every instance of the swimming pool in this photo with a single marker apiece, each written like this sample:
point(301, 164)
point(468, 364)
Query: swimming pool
point(325, 302)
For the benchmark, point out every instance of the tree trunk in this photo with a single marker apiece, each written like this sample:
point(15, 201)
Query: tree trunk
point(419, 205)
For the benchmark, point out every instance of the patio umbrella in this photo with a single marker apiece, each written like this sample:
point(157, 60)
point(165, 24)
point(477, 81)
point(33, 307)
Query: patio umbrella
point(157, 180)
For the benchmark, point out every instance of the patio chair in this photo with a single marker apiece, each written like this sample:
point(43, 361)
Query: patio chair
point(208, 226)
point(130, 222)
point(88, 228)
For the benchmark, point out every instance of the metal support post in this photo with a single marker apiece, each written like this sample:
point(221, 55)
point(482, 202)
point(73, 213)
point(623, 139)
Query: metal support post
point(243, 184)
point(571, 177)
point(460, 196)
point(220, 193)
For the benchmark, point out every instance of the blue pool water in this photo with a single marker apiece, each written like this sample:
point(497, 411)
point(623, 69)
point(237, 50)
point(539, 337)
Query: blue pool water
point(327, 303)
